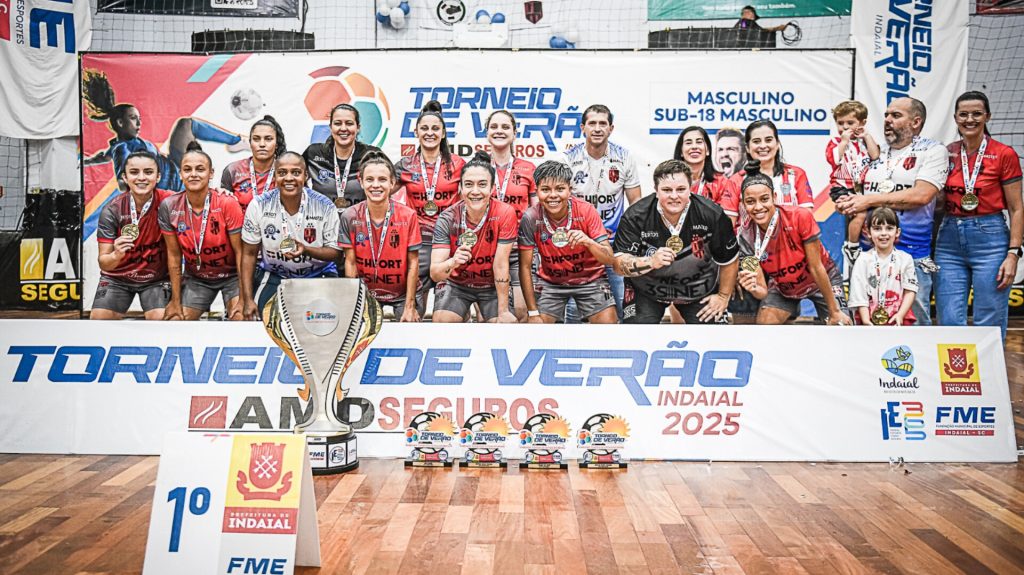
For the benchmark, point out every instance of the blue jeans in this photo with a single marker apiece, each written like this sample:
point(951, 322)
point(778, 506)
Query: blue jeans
point(618, 291)
point(969, 251)
point(922, 307)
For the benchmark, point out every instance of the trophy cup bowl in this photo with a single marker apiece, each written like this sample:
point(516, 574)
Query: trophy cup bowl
point(323, 324)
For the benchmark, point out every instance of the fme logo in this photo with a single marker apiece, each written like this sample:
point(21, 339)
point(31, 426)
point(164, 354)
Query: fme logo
point(49, 21)
point(257, 565)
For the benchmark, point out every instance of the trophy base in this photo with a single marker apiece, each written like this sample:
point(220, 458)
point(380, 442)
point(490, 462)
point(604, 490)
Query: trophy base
point(543, 460)
point(602, 460)
point(332, 453)
point(428, 457)
point(477, 458)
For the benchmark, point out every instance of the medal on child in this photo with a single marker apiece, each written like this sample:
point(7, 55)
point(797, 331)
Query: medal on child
point(469, 237)
point(674, 242)
point(559, 237)
point(881, 315)
point(430, 207)
point(969, 202)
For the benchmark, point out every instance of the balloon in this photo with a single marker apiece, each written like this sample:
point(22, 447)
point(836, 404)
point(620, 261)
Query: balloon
point(397, 18)
point(570, 45)
point(498, 18)
point(394, 3)
point(485, 19)
point(481, 13)
point(558, 42)
point(382, 7)
point(572, 36)
point(405, 8)
point(383, 19)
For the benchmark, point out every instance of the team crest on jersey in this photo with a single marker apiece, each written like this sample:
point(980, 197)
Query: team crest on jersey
point(360, 238)
point(181, 227)
point(270, 231)
point(393, 240)
point(309, 234)
point(544, 236)
point(910, 162)
point(579, 178)
point(697, 244)
point(215, 225)
point(414, 176)
point(489, 235)
point(324, 175)
point(613, 175)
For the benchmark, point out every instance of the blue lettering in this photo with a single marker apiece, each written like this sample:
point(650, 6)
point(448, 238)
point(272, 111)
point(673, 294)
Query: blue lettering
point(189, 374)
point(744, 360)
point(988, 415)
point(60, 362)
point(503, 370)
point(432, 364)
point(114, 366)
point(28, 354)
point(413, 360)
point(941, 413)
point(227, 364)
point(52, 20)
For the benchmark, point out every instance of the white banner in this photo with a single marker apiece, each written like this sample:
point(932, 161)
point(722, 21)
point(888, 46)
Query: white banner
point(914, 48)
point(785, 393)
point(39, 42)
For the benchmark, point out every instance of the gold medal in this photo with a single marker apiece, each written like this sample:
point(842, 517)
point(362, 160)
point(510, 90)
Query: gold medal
point(880, 316)
point(969, 202)
point(288, 245)
point(560, 238)
point(887, 186)
point(750, 264)
point(430, 208)
point(468, 239)
point(130, 230)
point(675, 243)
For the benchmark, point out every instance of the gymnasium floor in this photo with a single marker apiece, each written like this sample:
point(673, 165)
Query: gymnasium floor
point(89, 515)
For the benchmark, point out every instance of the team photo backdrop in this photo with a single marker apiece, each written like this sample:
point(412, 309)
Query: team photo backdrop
point(653, 95)
point(796, 393)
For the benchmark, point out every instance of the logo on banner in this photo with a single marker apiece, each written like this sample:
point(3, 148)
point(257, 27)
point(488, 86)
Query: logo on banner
point(899, 361)
point(335, 85)
point(962, 421)
point(545, 430)
point(903, 420)
point(321, 317)
point(603, 430)
point(262, 494)
point(208, 412)
point(958, 369)
point(907, 36)
point(266, 463)
point(47, 275)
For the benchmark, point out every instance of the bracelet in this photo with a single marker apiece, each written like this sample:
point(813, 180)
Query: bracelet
point(532, 313)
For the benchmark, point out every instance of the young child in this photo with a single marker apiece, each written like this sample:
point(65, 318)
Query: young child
point(883, 283)
point(849, 154)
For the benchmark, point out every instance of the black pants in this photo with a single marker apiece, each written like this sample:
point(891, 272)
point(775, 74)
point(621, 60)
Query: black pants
point(642, 310)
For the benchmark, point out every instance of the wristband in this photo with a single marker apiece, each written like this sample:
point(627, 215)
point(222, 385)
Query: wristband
point(532, 313)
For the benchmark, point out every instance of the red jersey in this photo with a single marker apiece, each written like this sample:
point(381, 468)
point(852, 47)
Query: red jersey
point(385, 277)
point(410, 175)
point(521, 187)
point(999, 167)
point(217, 258)
point(501, 227)
point(851, 168)
point(146, 261)
point(791, 188)
point(786, 262)
point(722, 191)
point(564, 266)
point(237, 179)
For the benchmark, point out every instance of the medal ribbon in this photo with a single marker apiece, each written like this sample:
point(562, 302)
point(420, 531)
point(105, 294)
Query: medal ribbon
point(375, 255)
point(880, 286)
point(761, 243)
point(430, 190)
point(503, 189)
point(568, 220)
point(145, 207)
point(480, 224)
point(252, 177)
point(340, 179)
point(890, 168)
point(202, 230)
point(300, 216)
point(701, 184)
point(968, 183)
point(682, 218)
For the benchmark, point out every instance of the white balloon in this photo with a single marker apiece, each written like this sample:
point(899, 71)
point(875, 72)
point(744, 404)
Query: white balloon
point(484, 19)
point(397, 18)
point(394, 4)
point(572, 36)
point(382, 7)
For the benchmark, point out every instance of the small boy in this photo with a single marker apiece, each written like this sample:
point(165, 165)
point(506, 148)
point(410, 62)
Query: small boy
point(883, 283)
point(849, 154)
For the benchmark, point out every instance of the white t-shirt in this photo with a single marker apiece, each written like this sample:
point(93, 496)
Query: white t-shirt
point(602, 182)
point(875, 278)
point(315, 224)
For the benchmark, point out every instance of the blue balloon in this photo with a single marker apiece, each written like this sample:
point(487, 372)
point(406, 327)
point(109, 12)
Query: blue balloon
point(498, 18)
point(405, 7)
point(481, 13)
point(384, 19)
point(558, 42)
point(570, 45)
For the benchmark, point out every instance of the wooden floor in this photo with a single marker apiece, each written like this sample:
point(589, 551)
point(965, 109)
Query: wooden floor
point(89, 515)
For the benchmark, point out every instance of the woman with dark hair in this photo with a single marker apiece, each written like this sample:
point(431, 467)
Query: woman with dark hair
point(473, 242)
point(126, 123)
point(784, 260)
point(132, 257)
point(293, 230)
point(429, 182)
point(381, 239)
point(203, 226)
point(693, 146)
point(975, 248)
point(764, 151)
point(254, 176)
point(332, 166)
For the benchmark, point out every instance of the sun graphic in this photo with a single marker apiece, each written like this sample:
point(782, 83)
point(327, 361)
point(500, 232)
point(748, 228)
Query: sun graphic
point(442, 425)
point(495, 425)
point(616, 425)
point(557, 426)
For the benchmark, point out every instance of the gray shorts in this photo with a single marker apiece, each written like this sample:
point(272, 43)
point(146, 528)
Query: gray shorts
point(513, 269)
point(458, 299)
point(777, 300)
point(198, 294)
point(591, 298)
point(117, 295)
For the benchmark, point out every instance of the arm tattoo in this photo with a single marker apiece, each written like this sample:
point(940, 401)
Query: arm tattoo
point(633, 266)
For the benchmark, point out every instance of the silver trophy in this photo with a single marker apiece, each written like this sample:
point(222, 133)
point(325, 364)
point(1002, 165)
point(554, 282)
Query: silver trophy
point(323, 324)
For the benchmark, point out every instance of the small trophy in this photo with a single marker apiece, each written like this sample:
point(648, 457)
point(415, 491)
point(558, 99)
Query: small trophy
point(602, 439)
point(484, 436)
point(544, 436)
point(323, 324)
point(430, 435)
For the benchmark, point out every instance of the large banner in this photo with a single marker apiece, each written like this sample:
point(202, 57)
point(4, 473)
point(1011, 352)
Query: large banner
point(653, 95)
point(724, 9)
point(697, 392)
point(237, 8)
point(912, 48)
point(39, 42)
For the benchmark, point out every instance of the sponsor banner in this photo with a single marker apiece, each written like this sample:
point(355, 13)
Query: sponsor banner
point(914, 48)
point(705, 10)
point(39, 45)
point(217, 98)
point(785, 393)
point(243, 8)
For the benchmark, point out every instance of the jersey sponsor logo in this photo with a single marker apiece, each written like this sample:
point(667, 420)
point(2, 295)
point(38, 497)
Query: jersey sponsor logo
point(579, 178)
